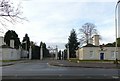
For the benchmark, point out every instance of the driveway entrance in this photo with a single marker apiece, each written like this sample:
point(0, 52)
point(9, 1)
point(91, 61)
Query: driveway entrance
point(36, 52)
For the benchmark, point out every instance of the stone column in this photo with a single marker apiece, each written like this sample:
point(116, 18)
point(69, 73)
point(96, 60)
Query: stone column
point(56, 55)
point(19, 52)
point(30, 53)
point(41, 52)
point(63, 55)
point(67, 52)
point(12, 43)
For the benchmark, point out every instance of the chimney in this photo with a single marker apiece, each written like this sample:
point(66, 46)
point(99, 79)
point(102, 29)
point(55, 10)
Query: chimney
point(96, 40)
point(12, 43)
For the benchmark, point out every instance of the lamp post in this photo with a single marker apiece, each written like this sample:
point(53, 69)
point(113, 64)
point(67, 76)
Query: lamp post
point(116, 30)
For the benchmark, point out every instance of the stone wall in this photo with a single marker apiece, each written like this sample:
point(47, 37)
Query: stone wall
point(12, 54)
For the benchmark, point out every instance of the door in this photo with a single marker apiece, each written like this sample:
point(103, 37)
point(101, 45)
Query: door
point(101, 56)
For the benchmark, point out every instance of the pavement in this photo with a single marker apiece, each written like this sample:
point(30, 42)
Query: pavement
point(65, 63)
point(14, 62)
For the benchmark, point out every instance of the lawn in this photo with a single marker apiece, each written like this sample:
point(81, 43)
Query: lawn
point(8, 60)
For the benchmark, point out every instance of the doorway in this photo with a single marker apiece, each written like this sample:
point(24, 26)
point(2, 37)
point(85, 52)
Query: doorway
point(101, 56)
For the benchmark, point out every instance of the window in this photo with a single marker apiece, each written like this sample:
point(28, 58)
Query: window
point(113, 54)
point(91, 54)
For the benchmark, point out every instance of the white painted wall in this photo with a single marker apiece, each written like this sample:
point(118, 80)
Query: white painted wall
point(81, 54)
point(110, 53)
point(12, 54)
point(24, 54)
point(86, 53)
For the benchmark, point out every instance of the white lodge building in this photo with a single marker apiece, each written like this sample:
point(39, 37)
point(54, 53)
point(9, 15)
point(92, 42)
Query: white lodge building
point(94, 51)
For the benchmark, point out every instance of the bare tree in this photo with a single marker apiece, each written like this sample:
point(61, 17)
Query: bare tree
point(9, 13)
point(86, 32)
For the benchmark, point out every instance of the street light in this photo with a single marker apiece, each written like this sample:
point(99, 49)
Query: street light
point(116, 28)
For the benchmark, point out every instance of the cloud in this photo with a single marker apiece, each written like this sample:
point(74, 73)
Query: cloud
point(74, 0)
point(108, 36)
point(61, 46)
point(51, 21)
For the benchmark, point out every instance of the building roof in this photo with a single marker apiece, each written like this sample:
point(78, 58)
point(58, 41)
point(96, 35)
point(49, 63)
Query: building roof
point(109, 45)
point(90, 45)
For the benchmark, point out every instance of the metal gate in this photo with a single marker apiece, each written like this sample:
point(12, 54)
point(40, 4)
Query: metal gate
point(35, 52)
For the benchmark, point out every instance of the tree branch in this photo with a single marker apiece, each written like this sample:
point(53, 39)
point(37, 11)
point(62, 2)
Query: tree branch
point(9, 12)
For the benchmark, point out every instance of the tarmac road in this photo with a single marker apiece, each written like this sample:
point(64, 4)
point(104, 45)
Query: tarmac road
point(42, 70)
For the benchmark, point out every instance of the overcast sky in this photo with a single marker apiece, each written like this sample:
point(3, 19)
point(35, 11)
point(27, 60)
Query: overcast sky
point(51, 21)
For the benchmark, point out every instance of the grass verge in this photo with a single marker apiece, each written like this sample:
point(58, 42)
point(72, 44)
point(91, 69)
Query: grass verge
point(100, 61)
point(8, 60)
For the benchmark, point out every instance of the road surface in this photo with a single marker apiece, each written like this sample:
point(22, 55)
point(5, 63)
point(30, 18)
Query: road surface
point(41, 70)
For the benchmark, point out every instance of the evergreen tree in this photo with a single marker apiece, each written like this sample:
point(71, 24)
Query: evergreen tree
point(26, 42)
point(65, 54)
point(118, 42)
point(73, 44)
point(10, 34)
point(114, 43)
point(59, 55)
